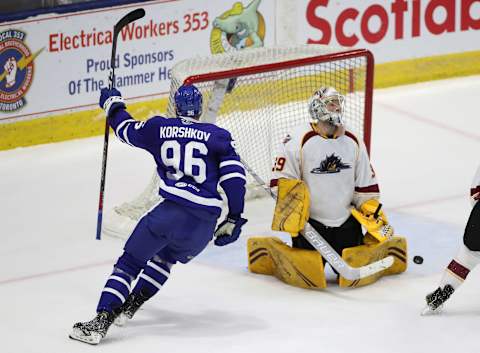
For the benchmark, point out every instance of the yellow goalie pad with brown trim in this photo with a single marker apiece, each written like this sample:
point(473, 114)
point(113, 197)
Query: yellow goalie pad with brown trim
point(297, 267)
point(365, 254)
point(292, 207)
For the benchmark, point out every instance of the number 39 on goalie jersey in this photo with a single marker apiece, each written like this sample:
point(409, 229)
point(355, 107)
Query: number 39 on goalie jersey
point(337, 172)
point(192, 159)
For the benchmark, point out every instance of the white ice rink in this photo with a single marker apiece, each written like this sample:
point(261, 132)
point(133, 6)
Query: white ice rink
point(426, 144)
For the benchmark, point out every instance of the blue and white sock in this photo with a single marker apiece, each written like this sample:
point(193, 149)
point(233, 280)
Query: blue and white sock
point(153, 277)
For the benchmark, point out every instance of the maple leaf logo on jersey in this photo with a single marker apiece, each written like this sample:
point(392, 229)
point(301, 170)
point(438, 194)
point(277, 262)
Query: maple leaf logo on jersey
point(331, 164)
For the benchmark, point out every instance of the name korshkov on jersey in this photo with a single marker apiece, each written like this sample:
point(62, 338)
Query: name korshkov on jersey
point(192, 159)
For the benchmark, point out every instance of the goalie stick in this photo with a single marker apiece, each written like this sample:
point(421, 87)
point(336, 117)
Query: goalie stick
point(222, 87)
point(124, 21)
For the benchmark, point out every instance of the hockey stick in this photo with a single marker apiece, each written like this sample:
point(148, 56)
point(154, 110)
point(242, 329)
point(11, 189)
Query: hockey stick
point(327, 252)
point(124, 21)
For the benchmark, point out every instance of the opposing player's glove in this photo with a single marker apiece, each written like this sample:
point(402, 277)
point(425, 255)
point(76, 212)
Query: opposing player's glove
point(111, 100)
point(374, 220)
point(229, 230)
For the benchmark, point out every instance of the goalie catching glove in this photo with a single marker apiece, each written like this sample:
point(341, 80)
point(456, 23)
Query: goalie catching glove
point(229, 230)
point(374, 220)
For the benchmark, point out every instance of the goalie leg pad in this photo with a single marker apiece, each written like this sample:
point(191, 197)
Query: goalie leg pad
point(365, 254)
point(297, 267)
point(292, 207)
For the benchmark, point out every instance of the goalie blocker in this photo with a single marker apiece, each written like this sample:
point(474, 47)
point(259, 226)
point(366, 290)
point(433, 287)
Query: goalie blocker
point(300, 265)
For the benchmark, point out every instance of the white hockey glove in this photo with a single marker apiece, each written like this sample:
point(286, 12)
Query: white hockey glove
point(229, 230)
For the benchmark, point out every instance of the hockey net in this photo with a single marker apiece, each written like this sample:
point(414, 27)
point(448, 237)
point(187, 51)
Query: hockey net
point(270, 96)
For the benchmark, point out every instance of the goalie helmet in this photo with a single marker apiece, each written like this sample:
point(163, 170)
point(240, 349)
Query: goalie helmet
point(188, 101)
point(327, 105)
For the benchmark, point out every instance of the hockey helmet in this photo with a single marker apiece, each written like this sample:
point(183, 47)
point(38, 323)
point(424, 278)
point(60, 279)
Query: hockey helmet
point(188, 101)
point(327, 105)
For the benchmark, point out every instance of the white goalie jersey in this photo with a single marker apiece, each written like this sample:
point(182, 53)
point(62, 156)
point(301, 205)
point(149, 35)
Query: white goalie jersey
point(337, 172)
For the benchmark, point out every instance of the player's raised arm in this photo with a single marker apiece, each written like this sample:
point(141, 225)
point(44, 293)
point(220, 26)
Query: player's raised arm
point(127, 129)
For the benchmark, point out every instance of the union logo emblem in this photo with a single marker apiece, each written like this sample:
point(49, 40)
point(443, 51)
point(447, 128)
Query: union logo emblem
point(16, 70)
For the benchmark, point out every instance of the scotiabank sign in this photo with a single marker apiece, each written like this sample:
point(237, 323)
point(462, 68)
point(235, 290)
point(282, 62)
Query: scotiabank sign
point(416, 27)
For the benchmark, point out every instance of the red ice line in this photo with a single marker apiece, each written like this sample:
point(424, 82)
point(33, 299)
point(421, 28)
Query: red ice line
point(51, 273)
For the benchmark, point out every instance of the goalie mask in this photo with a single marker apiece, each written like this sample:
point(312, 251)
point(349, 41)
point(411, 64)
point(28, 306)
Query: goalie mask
point(327, 105)
point(188, 101)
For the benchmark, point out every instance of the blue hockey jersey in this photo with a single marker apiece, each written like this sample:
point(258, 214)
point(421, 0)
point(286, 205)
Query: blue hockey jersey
point(192, 159)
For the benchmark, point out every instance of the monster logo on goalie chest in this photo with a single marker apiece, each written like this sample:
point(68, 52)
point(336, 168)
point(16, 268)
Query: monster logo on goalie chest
point(16, 70)
point(331, 164)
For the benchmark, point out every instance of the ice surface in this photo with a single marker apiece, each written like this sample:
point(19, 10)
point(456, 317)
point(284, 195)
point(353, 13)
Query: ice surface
point(426, 144)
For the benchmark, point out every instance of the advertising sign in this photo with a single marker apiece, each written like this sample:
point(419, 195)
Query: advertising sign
point(58, 63)
point(393, 29)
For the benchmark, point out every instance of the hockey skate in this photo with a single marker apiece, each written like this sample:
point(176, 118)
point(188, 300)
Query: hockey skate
point(93, 331)
point(129, 308)
point(436, 299)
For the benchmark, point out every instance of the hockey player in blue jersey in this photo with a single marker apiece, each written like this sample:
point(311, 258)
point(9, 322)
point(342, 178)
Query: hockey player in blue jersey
point(192, 159)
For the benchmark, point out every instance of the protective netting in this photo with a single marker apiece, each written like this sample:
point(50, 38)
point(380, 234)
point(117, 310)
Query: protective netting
point(270, 96)
point(271, 93)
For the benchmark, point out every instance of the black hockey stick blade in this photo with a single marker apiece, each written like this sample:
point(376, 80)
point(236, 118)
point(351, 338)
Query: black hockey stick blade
point(124, 21)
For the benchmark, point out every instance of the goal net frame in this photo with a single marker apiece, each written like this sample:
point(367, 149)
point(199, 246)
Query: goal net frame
point(318, 59)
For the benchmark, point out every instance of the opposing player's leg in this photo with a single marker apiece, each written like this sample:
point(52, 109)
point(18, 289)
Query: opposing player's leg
point(191, 233)
point(458, 269)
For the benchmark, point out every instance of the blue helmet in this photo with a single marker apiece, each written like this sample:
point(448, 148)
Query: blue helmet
point(188, 101)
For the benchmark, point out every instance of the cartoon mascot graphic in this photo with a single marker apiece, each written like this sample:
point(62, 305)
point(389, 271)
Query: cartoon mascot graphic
point(238, 28)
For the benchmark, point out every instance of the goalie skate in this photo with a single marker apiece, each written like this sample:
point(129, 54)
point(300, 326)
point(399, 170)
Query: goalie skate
point(93, 331)
point(436, 299)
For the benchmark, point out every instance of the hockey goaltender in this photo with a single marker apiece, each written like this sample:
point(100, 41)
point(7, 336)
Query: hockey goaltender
point(323, 163)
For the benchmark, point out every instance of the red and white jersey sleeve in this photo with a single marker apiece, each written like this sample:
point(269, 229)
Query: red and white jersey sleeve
point(366, 185)
point(336, 170)
point(475, 189)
